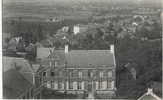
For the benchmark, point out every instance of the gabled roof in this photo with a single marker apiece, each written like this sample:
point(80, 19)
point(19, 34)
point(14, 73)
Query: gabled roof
point(14, 84)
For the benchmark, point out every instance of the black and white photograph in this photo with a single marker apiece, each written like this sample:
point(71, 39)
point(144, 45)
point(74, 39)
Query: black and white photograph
point(82, 49)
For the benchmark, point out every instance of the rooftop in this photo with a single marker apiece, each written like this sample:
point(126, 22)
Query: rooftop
point(76, 58)
point(17, 76)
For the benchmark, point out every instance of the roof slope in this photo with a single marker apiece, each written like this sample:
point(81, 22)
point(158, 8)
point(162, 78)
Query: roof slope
point(17, 76)
point(20, 64)
point(43, 52)
point(76, 58)
point(14, 84)
point(90, 58)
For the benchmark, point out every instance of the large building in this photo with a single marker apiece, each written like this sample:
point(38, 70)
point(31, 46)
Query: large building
point(90, 72)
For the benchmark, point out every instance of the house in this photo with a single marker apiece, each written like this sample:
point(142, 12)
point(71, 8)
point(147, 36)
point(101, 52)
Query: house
point(65, 29)
point(149, 95)
point(79, 28)
point(90, 72)
point(19, 79)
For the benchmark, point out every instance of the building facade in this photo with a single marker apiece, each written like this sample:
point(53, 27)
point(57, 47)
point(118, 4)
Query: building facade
point(90, 72)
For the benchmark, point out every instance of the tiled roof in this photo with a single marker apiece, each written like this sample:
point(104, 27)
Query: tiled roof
point(17, 76)
point(82, 58)
point(21, 64)
point(90, 58)
point(14, 84)
point(43, 52)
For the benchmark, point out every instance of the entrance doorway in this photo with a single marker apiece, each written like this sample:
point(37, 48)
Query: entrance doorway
point(91, 90)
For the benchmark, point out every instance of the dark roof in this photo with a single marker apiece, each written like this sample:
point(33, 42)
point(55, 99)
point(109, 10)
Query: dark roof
point(21, 64)
point(43, 52)
point(76, 58)
point(17, 76)
point(89, 58)
point(14, 84)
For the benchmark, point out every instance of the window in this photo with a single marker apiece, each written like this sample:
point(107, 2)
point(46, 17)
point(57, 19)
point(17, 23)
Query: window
point(50, 63)
point(79, 85)
point(70, 85)
point(52, 73)
point(112, 84)
point(97, 85)
point(108, 84)
point(80, 74)
point(56, 63)
point(100, 84)
point(44, 74)
point(90, 74)
point(104, 85)
point(71, 74)
point(101, 74)
point(55, 85)
point(48, 84)
point(52, 84)
point(109, 74)
point(60, 85)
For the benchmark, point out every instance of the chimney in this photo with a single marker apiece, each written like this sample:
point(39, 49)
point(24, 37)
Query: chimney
point(112, 48)
point(66, 48)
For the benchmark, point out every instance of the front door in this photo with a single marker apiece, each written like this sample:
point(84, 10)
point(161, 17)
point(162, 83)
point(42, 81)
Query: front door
point(91, 90)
